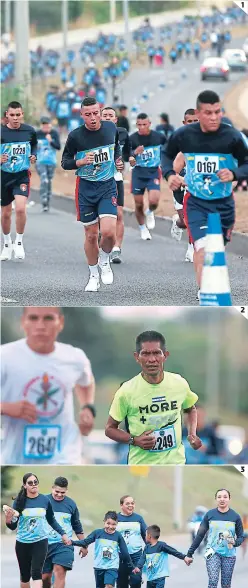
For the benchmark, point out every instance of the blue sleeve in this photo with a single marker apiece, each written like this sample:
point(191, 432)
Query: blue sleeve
point(52, 521)
point(142, 560)
point(240, 152)
point(124, 553)
point(34, 143)
point(55, 143)
point(204, 526)
point(169, 153)
point(239, 532)
point(126, 151)
point(68, 161)
point(143, 528)
point(87, 541)
point(76, 523)
point(172, 551)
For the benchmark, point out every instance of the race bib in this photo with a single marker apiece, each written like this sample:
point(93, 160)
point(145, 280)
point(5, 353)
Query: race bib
point(18, 149)
point(41, 441)
point(207, 164)
point(101, 155)
point(147, 154)
point(165, 439)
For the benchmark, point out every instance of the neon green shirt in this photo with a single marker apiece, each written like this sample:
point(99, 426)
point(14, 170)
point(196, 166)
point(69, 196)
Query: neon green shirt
point(154, 407)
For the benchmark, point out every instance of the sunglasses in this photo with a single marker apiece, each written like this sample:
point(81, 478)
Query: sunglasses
point(33, 483)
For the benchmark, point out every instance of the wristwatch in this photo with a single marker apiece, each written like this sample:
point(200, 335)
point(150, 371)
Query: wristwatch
point(131, 441)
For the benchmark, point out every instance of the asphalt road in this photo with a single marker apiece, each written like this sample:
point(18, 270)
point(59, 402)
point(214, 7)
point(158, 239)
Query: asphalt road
point(153, 273)
point(55, 271)
point(82, 574)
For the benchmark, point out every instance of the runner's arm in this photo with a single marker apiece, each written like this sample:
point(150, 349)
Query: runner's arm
point(113, 432)
point(169, 153)
point(240, 152)
point(124, 553)
point(68, 156)
point(142, 560)
point(143, 528)
point(191, 420)
point(34, 143)
point(172, 551)
point(87, 414)
point(126, 151)
point(13, 524)
point(52, 521)
point(85, 542)
point(179, 163)
point(117, 152)
point(76, 524)
point(239, 533)
point(204, 526)
point(55, 143)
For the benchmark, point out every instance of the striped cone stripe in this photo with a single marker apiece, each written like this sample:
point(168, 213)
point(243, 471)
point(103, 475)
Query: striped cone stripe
point(215, 285)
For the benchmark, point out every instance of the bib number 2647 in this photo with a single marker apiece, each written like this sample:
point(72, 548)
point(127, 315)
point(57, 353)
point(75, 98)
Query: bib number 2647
point(41, 442)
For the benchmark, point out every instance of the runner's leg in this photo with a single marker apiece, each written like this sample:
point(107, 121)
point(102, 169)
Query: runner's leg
point(213, 569)
point(139, 209)
point(60, 575)
point(39, 553)
point(47, 580)
point(42, 171)
point(119, 227)
point(24, 558)
point(227, 568)
point(91, 243)
point(50, 174)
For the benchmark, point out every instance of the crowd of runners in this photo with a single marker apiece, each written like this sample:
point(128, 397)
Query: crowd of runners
point(125, 546)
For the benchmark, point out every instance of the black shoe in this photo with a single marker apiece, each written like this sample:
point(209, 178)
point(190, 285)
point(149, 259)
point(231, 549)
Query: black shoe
point(115, 256)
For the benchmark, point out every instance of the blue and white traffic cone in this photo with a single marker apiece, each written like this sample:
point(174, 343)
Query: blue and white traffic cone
point(215, 285)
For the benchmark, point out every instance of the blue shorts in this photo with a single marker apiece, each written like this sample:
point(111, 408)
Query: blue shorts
point(95, 199)
point(143, 180)
point(104, 577)
point(159, 583)
point(196, 215)
point(60, 554)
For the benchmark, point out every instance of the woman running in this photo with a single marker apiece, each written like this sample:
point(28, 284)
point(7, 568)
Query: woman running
point(35, 510)
point(225, 533)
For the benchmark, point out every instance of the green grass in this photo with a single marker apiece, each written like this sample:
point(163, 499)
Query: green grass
point(97, 489)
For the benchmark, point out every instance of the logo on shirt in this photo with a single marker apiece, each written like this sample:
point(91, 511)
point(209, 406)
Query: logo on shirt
point(47, 393)
point(107, 553)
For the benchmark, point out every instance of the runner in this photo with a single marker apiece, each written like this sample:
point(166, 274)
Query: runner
point(18, 151)
point(60, 557)
point(109, 113)
point(109, 547)
point(225, 533)
point(48, 143)
point(155, 557)
point(210, 148)
point(31, 539)
point(133, 529)
point(38, 421)
point(94, 150)
point(151, 405)
point(145, 148)
point(245, 527)
point(178, 223)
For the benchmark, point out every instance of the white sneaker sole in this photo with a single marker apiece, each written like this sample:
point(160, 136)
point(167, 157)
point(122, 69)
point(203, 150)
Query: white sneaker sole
point(189, 259)
point(3, 258)
point(146, 238)
point(93, 288)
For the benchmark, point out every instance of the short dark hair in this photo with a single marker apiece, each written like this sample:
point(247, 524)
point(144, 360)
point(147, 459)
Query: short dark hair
point(154, 531)
point(109, 108)
point(142, 116)
point(123, 498)
point(207, 97)
point(123, 107)
point(61, 482)
point(150, 336)
point(223, 490)
point(88, 101)
point(111, 514)
point(165, 117)
point(14, 104)
point(189, 111)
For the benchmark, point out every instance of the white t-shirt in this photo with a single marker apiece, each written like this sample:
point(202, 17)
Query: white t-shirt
point(46, 381)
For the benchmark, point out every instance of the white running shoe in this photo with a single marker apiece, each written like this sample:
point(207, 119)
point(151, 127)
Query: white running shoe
point(93, 284)
point(145, 235)
point(176, 233)
point(7, 252)
point(190, 253)
point(107, 275)
point(198, 295)
point(19, 252)
point(150, 220)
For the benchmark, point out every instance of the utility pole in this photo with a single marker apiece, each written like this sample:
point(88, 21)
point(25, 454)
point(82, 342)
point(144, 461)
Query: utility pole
point(112, 8)
point(7, 25)
point(65, 27)
point(22, 58)
point(126, 24)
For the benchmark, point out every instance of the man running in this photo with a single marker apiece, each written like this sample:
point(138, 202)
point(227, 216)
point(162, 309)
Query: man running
point(60, 557)
point(40, 377)
point(178, 222)
point(215, 155)
point(145, 149)
point(109, 113)
point(18, 151)
point(151, 405)
point(94, 151)
point(133, 530)
point(48, 143)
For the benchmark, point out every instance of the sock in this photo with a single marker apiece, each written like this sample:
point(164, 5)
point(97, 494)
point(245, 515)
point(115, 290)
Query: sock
point(7, 239)
point(19, 238)
point(103, 257)
point(148, 211)
point(142, 227)
point(94, 271)
point(116, 248)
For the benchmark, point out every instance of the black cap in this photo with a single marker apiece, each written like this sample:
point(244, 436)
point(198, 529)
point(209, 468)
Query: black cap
point(45, 120)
